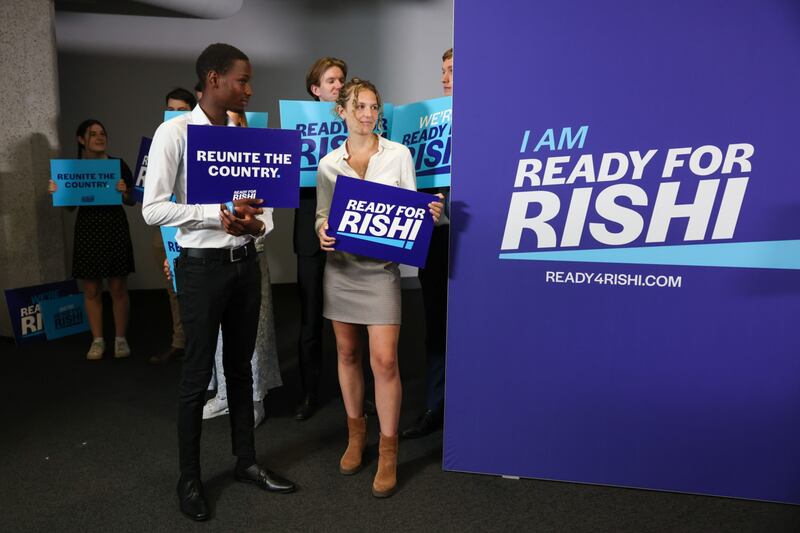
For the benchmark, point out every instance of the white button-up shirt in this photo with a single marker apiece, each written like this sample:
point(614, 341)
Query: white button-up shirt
point(199, 226)
point(390, 165)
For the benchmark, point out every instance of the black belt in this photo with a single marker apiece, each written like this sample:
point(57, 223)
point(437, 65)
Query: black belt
point(226, 255)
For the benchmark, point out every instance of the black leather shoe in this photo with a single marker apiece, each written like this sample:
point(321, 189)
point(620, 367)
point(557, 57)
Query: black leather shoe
point(191, 500)
point(170, 355)
point(426, 424)
point(307, 408)
point(265, 479)
point(369, 408)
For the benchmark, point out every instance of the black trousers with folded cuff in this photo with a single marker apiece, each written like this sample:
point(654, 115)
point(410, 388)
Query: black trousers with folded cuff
point(214, 291)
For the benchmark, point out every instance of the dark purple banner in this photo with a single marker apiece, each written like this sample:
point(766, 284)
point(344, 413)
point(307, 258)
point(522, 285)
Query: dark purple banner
point(381, 221)
point(141, 168)
point(626, 246)
point(232, 163)
point(24, 307)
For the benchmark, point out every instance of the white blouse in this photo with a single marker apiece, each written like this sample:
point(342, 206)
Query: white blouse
point(391, 165)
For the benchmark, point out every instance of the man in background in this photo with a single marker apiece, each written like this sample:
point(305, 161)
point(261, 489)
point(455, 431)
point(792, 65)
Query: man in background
point(323, 81)
point(177, 99)
point(433, 279)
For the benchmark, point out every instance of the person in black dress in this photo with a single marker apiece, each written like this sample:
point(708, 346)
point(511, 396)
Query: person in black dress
point(102, 247)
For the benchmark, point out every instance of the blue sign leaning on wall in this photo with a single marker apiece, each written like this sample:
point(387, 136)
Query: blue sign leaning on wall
point(64, 316)
point(24, 307)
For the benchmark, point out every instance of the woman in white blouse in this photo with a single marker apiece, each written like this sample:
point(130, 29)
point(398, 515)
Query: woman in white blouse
point(363, 291)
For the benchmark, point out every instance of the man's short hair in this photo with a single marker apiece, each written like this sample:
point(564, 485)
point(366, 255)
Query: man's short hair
point(448, 54)
point(217, 58)
point(179, 93)
point(318, 69)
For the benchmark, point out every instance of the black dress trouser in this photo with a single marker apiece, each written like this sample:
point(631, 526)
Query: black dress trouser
point(214, 292)
point(310, 272)
point(433, 279)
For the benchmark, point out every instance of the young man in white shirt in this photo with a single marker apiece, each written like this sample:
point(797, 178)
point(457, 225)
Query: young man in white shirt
point(217, 276)
point(433, 279)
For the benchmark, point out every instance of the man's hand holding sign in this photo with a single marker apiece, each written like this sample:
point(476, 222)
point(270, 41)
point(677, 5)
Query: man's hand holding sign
point(239, 217)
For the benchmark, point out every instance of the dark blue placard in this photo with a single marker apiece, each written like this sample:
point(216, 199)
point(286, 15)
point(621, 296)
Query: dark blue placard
point(86, 181)
point(668, 362)
point(141, 168)
point(64, 316)
point(24, 307)
point(230, 163)
point(381, 221)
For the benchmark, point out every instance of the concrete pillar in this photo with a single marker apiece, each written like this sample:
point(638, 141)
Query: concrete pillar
point(31, 230)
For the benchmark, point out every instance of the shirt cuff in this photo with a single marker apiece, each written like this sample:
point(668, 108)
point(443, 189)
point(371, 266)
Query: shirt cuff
point(211, 216)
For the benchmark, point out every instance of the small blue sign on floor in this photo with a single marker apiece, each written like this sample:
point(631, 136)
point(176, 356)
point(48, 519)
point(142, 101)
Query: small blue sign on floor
point(64, 316)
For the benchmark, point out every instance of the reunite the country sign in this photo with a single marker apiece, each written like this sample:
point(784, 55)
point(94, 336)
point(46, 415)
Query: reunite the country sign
point(85, 181)
point(233, 163)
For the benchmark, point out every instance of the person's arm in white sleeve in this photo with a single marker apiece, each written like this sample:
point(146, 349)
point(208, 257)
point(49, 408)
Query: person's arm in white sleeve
point(325, 184)
point(266, 218)
point(324, 194)
point(163, 162)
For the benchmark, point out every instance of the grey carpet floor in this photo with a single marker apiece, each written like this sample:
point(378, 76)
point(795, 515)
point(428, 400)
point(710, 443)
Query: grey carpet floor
point(91, 446)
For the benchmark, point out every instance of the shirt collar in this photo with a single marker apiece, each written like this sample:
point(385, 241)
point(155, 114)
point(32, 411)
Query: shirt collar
point(200, 118)
point(343, 154)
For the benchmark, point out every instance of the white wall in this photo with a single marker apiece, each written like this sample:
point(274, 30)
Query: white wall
point(118, 68)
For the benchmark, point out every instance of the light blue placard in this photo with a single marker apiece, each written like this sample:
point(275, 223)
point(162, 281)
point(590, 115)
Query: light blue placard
point(388, 120)
point(321, 131)
point(255, 119)
point(169, 115)
point(172, 248)
point(86, 181)
point(64, 316)
point(425, 128)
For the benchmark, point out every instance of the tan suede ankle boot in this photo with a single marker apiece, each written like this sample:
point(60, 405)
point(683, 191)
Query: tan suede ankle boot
point(386, 478)
point(356, 442)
